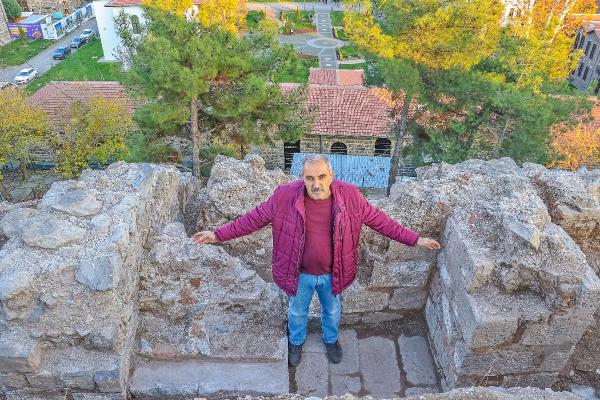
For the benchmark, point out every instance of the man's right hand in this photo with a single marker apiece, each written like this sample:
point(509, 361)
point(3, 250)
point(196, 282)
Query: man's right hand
point(204, 237)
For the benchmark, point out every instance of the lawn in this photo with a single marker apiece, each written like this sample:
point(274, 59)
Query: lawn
point(336, 18)
point(253, 18)
point(300, 75)
point(349, 52)
point(353, 66)
point(81, 65)
point(20, 50)
point(298, 21)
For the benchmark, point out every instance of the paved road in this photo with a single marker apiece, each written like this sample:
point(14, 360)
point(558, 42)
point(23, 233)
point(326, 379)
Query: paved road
point(309, 6)
point(43, 61)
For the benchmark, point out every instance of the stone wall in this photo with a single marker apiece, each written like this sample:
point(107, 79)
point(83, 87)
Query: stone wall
point(101, 289)
point(48, 6)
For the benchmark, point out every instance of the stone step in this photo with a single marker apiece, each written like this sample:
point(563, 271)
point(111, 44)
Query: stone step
point(194, 377)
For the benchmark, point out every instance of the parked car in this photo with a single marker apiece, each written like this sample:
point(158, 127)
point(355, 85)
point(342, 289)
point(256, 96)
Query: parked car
point(61, 53)
point(25, 75)
point(87, 34)
point(78, 42)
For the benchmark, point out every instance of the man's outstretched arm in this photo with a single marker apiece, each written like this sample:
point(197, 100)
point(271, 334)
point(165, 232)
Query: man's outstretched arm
point(252, 221)
point(376, 219)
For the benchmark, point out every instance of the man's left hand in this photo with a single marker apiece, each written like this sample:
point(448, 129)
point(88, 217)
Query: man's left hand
point(428, 243)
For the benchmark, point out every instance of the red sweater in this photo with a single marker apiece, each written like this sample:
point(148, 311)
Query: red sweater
point(317, 258)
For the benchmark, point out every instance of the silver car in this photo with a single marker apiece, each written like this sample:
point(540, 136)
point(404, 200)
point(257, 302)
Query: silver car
point(87, 34)
point(25, 75)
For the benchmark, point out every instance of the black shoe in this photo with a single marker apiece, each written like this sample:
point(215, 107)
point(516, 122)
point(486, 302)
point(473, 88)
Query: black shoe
point(294, 354)
point(334, 352)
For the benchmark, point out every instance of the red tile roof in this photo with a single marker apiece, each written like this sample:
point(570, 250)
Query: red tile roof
point(56, 98)
point(338, 77)
point(344, 106)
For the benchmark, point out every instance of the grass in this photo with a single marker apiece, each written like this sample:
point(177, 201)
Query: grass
point(300, 74)
point(20, 50)
point(299, 21)
point(339, 33)
point(81, 65)
point(362, 66)
point(349, 52)
point(336, 18)
point(253, 18)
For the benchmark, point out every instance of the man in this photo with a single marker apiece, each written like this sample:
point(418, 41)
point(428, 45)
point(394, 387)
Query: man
point(316, 225)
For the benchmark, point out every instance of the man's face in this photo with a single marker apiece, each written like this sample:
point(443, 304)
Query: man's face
point(317, 179)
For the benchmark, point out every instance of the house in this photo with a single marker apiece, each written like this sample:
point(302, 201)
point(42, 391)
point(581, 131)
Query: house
point(588, 69)
point(350, 119)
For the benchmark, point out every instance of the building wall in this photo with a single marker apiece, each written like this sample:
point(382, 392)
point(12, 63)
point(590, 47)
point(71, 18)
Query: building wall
point(4, 34)
point(105, 18)
point(48, 6)
point(589, 61)
point(358, 146)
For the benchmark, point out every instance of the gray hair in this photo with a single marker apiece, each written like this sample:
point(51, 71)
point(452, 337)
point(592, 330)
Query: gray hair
point(310, 158)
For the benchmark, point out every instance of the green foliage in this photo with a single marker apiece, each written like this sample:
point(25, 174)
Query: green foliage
point(20, 50)
point(349, 52)
point(180, 60)
point(140, 148)
point(253, 19)
point(298, 71)
point(12, 8)
point(298, 21)
point(210, 152)
point(337, 18)
point(96, 132)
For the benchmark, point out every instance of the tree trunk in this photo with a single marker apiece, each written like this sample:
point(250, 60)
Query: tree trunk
point(400, 139)
point(500, 138)
point(196, 138)
point(23, 170)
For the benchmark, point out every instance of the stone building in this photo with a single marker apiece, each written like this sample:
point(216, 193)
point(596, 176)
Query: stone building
point(49, 6)
point(588, 70)
point(350, 118)
point(4, 34)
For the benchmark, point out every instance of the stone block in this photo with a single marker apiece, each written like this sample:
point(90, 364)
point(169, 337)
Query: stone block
point(44, 380)
point(342, 384)
point(350, 360)
point(379, 365)
point(555, 361)
point(409, 274)
point(100, 272)
point(419, 391)
point(416, 361)
point(312, 377)
point(408, 299)
point(13, 380)
point(314, 344)
point(497, 362)
point(80, 203)
point(160, 378)
point(19, 354)
point(540, 380)
point(81, 381)
point(358, 299)
point(560, 330)
point(49, 232)
point(381, 316)
point(108, 381)
point(98, 396)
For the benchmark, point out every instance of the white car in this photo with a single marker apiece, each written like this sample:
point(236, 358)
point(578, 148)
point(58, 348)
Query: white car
point(25, 75)
point(87, 34)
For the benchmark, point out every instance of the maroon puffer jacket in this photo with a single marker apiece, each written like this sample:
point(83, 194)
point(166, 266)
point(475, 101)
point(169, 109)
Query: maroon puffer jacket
point(285, 211)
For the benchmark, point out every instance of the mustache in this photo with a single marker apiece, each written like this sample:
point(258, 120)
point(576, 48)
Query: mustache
point(316, 190)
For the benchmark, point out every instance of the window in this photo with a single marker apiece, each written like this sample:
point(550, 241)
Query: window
point(289, 148)
point(135, 24)
point(587, 47)
point(579, 69)
point(593, 51)
point(585, 74)
point(577, 40)
point(383, 147)
point(339, 148)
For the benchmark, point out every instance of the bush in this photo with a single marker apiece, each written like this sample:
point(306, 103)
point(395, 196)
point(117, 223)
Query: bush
point(141, 149)
point(13, 9)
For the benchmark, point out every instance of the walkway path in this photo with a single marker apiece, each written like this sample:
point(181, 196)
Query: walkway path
point(43, 61)
point(381, 365)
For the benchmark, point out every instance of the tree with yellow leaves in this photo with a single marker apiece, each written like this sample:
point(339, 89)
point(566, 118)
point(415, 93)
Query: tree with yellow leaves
point(416, 37)
point(229, 15)
point(576, 147)
point(22, 125)
point(96, 131)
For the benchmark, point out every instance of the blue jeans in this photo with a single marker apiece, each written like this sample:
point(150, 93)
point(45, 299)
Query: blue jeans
point(331, 308)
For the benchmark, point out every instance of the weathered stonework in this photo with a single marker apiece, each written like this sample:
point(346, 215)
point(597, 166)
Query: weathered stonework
point(4, 33)
point(103, 293)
